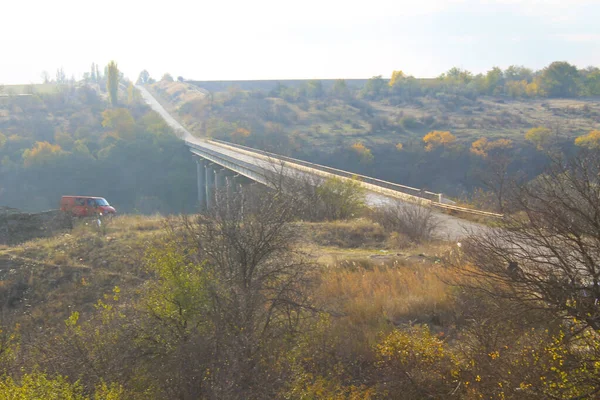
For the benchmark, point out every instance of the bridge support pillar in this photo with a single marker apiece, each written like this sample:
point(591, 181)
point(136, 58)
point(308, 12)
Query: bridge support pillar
point(219, 184)
point(220, 178)
point(210, 185)
point(201, 175)
point(230, 184)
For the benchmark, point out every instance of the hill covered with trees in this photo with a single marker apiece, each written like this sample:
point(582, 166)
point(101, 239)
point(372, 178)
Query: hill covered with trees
point(377, 126)
point(80, 139)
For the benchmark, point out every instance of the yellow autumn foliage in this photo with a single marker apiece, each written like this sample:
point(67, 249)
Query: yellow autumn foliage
point(482, 147)
point(42, 153)
point(363, 152)
point(532, 89)
point(239, 134)
point(540, 137)
point(591, 140)
point(396, 76)
point(438, 139)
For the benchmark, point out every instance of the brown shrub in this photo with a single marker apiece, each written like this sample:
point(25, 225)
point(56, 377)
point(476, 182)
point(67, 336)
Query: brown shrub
point(347, 234)
point(416, 222)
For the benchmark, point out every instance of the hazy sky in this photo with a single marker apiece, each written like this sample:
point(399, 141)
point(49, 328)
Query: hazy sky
point(277, 39)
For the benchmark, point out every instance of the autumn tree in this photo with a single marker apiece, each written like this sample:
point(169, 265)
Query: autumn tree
point(590, 141)
point(534, 88)
point(112, 82)
point(541, 137)
point(397, 76)
point(484, 148)
point(415, 364)
point(239, 135)
point(437, 139)
point(42, 154)
point(363, 152)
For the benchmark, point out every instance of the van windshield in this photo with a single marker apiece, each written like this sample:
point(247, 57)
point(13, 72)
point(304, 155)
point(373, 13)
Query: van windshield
point(101, 202)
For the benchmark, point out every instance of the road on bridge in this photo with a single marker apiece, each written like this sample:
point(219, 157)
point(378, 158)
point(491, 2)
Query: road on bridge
point(450, 227)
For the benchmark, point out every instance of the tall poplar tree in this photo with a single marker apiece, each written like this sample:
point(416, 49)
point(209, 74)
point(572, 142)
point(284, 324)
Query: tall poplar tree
point(112, 82)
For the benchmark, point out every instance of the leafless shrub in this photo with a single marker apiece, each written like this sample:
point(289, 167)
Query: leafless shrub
point(257, 297)
point(547, 255)
point(417, 222)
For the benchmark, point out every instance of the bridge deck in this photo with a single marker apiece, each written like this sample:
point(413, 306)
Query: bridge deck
point(451, 227)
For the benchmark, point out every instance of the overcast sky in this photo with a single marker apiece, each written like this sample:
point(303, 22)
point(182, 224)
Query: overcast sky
point(278, 39)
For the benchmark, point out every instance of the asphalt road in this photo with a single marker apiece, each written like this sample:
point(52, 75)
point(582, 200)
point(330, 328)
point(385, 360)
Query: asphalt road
point(449, 228)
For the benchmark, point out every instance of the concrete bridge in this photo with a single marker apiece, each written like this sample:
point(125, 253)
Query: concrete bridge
point(223, 165)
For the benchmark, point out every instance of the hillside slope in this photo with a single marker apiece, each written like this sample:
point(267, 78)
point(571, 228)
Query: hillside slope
point(330, 121)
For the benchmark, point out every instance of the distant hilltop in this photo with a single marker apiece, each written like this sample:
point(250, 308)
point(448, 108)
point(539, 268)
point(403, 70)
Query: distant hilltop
point(218, 86)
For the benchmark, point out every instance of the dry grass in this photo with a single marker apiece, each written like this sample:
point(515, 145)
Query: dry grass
point(371, 287)
point(370, 292)
point(67, 272)
point(137, 223)
point(118, 245)
point(400, 292)
point(358, 233)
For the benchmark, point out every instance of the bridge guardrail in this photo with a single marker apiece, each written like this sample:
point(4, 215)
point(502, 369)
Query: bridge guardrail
point(383, 187)
point(435, 197)
point(243, 164)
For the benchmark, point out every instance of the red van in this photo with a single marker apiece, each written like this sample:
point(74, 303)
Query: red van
point(84, 206)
